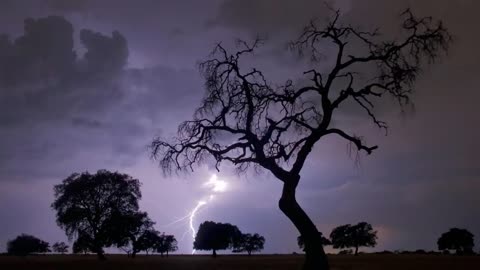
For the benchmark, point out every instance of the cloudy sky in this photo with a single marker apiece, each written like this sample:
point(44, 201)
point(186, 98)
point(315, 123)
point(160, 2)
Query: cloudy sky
point(123, 72)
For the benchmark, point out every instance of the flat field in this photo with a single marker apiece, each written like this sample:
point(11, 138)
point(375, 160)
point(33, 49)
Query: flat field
point(278, 262)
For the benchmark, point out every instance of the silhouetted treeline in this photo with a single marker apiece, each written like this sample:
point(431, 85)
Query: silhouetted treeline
point(26, 244)
point(220, 236)
point(345, 237)
point(101, 210)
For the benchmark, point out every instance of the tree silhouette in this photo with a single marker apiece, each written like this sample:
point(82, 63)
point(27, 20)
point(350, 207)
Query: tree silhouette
point(301, 242)
point(95, 207)
point(216, 236)
point(147, 241)
point(249, 243)
point(60, 247)
point(245, 120)
point(136, 230)
point(355, 236)
point(166, 244)
point(460, 240)
point(25, 244)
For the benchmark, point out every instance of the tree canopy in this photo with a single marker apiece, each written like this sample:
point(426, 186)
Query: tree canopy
point(216, 236)
point(95, 207)
point(355, 236)
point(249, 243)
point(166, 244)
point(134, 230)
point(25, 244)
point(60, 247)
point(460, 240)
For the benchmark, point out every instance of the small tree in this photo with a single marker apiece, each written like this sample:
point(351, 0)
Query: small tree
point(460, 240)
point(301, 242)
point(216, 236)
point(135, 230)
point(354, 236)
point(247, 120)
point(95, 206)
point(249, 243)
point(25, 244)
point(148, 241)
point(166, 244)
point(60, 247)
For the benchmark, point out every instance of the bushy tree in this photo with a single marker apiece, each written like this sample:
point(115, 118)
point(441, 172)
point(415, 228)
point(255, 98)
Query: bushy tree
point(166, 244)
point(60, 247)
point(216, 236)
point(135, 229)
point(95, 206)
point(354, 236)
point(247, 120)
point(301, 242)
point(460, 240)
point(249, 243)
point(148, 241)
point(25, 244)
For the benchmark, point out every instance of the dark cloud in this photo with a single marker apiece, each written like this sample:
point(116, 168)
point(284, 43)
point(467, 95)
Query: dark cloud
point(43, 53)
point(104, 54)
point(270, 17)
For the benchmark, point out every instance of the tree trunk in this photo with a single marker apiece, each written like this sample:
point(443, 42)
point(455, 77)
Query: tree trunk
point(167, 253)
point(134, 253)
point(101, 254)
point(249, 253)
point(356, 250)
point(315, 257)
point(97, 248)
point(214, 254)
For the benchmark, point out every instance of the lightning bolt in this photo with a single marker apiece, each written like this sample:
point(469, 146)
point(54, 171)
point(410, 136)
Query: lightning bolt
point(192, 217)
point(215, 186)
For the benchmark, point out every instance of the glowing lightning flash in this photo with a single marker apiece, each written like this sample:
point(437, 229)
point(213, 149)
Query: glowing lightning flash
point(216, 186)
point(192, 216)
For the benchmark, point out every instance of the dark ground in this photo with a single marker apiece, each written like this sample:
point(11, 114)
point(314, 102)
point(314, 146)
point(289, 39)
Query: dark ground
point(280, 262)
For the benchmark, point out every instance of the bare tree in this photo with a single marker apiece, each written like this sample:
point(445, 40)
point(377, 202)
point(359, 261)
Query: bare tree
point(245, 120)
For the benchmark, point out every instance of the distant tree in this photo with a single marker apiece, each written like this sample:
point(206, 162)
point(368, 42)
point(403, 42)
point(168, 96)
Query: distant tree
point(96, 206)
point(301, 242)
point(134, 229)
point(60, 247)
point(249, 243)
point(25, 244)
point(166, 244)
point(216, 236)
point(460, 240)
point(354, 236)
point(148, 241)
point(247, 120)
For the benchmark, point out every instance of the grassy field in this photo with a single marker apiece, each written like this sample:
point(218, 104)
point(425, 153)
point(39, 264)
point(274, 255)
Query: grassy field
point(279, 262)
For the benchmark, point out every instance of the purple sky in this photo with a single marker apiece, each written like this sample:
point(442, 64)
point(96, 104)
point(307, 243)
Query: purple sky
point(423, 180)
